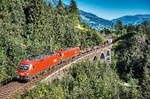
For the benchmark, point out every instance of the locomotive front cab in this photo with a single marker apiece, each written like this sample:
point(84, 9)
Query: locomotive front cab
point(23, 72)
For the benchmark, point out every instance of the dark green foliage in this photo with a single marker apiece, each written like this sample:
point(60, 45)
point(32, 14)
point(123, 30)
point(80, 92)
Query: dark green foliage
point(133, 54)
point(118, 26)
point(133, 57)
point(50, 5)
point(73, 7)
point(130, 28)
point(11, 28)
point(60, 5)
point(29, 28)
point(146, 83)
point(85, 80)
point(74, 14)
point(106, 31)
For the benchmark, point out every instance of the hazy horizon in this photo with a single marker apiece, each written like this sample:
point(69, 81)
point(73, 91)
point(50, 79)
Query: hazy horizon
point(112, 9)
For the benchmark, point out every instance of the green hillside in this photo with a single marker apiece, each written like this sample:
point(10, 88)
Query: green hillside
point(127, 77)
point(29, 28)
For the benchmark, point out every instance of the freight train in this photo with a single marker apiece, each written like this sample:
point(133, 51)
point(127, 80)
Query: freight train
point(30, 68)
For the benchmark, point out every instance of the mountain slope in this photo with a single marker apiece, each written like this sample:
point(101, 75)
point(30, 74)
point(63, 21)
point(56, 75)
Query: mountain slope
point(94, 21)
point(136, 19)
point(100, 23)
point(88, 18)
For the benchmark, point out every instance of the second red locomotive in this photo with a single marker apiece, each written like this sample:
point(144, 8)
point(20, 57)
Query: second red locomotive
point(30, 68)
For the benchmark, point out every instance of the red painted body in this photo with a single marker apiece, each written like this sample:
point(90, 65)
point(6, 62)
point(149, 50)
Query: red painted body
point(31, 67)
point(68, 53)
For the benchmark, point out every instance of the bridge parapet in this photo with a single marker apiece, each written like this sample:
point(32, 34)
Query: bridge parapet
point(95, 54)
point(102, 53)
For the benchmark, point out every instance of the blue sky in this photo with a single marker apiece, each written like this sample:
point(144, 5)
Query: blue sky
point(110, 9)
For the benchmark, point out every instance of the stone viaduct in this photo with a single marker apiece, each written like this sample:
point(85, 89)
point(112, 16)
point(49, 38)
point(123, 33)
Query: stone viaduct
point(101, 53)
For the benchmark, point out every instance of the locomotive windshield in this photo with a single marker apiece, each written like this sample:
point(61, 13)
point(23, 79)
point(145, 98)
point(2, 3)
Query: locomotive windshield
point(24, 67)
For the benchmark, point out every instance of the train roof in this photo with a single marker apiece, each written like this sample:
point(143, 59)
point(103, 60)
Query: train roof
point(42, 56)
point(68, 49)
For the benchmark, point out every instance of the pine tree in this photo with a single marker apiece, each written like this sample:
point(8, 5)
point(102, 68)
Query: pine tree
point(119, 26)
point(30, 28)
point(67, 10)
point(60, 4)
point(145, 23)
point(73, 15)
point(130, 28)
point(50, 5)
point(38, 26)
point(58, 26)
point(60, 9)
point(18, 17)
point(73, 7)
point(5, 34)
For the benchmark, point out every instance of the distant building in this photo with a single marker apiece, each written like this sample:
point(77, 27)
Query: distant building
point(109, 39)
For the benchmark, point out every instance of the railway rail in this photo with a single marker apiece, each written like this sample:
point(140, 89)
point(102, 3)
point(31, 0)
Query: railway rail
point(15, 87)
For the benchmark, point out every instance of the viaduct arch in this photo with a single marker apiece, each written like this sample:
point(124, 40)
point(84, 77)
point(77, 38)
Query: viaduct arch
point(102, 53)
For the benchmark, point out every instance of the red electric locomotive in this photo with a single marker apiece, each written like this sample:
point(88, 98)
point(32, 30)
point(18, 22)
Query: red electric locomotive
point(34, 66)
point(68, 53)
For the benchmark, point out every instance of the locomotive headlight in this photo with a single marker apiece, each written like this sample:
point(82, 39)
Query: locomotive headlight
point(30, 68)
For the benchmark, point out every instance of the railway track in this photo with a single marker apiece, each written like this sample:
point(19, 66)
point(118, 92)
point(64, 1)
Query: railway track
point(10, 90)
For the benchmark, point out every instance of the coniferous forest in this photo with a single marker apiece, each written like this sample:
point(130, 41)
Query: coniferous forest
point(29, 28)
point(127, 77)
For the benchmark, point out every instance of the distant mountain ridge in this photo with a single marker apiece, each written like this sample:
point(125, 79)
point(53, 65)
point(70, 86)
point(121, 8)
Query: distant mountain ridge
point(88, 18)
point(99, 23)
point(134, 19)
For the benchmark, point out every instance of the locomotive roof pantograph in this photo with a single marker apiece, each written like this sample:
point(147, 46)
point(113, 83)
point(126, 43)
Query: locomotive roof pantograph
point(42, 56)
